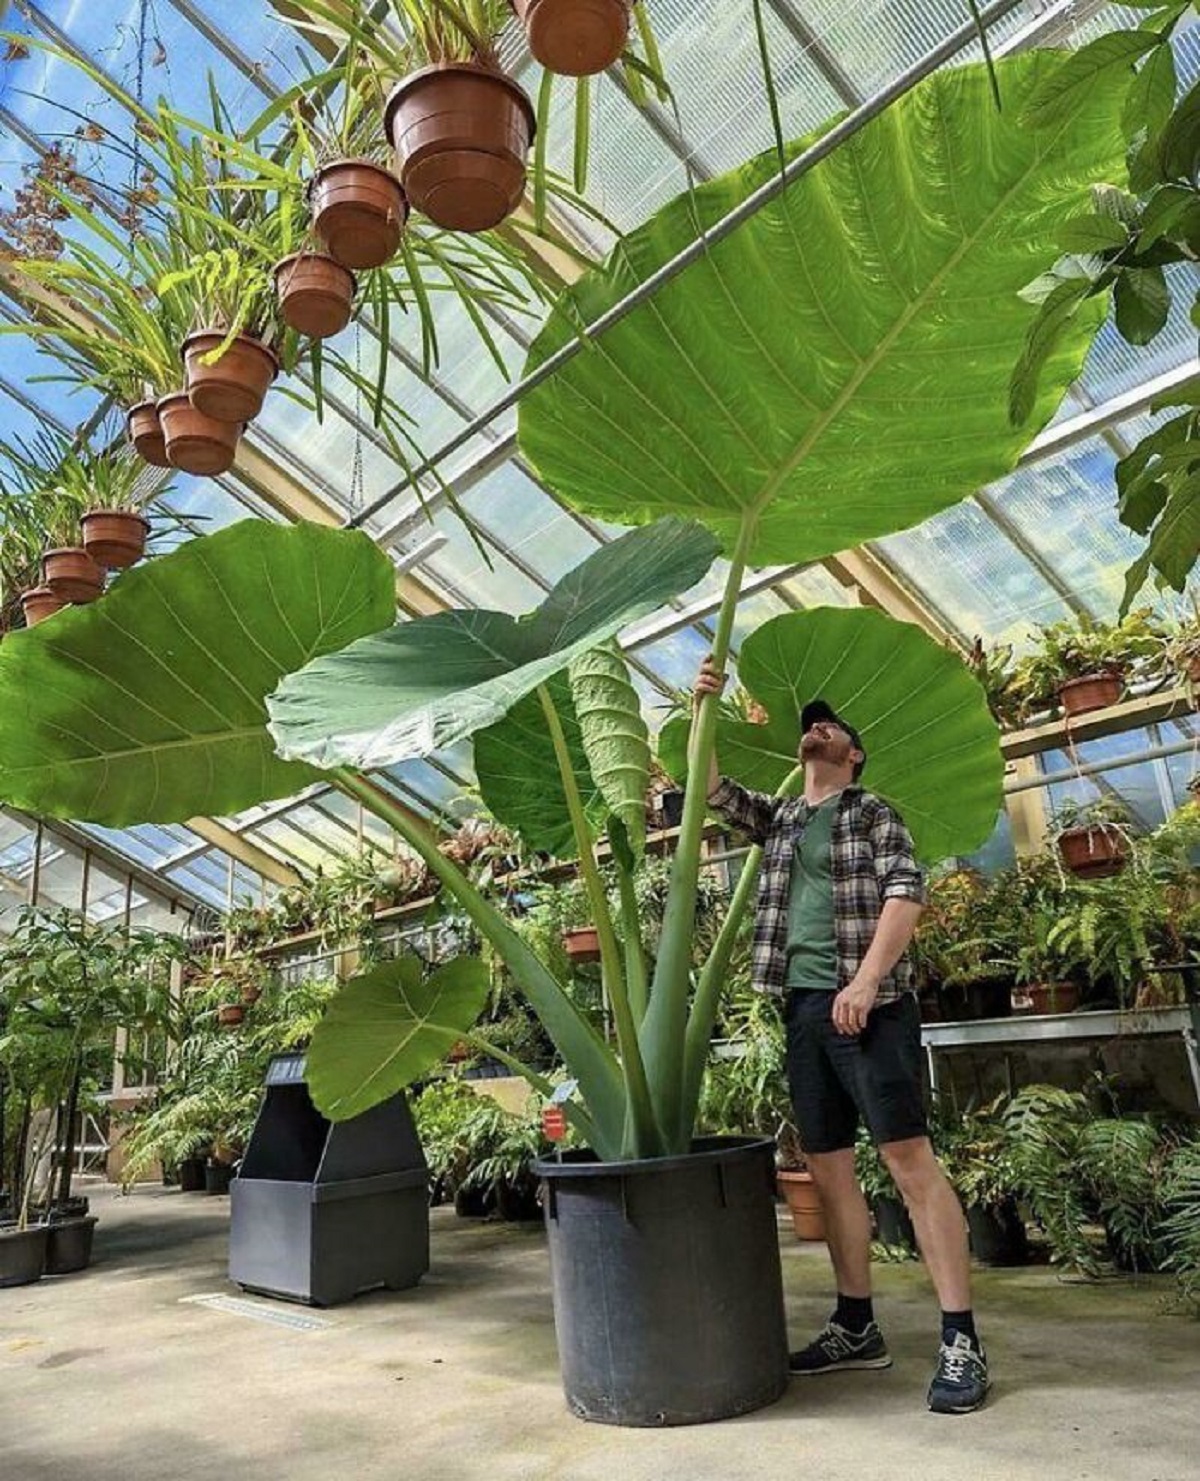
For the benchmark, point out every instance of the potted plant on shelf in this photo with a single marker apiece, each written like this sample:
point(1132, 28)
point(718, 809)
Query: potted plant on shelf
point(997, 672)
point(1085, 664)
point(1093, 839)
point(405, 690)
point(1182, 649)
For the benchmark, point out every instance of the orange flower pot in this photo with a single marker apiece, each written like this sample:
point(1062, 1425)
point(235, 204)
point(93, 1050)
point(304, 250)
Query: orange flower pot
point(1053, 997)
point(114, 538)
point(582, 945)
point(461, 132)
point(39, 603)
point(358, 211)
point(196, 443)
point(575, 38)
point(1093, 851)
point(804, 1204)
point(315, 293)
point(72, 575)
point(146, 434)
point(233, 388)
point(1093, 692)
point(230, 1015)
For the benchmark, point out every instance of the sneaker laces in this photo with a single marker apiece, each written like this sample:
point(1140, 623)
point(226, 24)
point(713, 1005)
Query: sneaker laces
point(956, 1358)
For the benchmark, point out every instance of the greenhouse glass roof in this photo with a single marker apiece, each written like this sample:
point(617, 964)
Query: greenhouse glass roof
point(1040, 545)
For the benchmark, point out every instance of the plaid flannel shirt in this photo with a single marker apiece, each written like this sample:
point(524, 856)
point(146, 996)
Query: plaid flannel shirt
point(871, 856)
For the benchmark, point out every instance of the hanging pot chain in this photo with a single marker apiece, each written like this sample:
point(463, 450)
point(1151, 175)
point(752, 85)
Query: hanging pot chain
point(356, 492)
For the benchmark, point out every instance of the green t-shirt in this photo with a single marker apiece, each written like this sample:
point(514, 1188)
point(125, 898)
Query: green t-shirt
point(812, 961)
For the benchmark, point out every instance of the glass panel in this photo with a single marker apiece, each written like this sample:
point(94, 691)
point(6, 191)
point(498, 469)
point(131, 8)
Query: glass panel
point(1137, 784)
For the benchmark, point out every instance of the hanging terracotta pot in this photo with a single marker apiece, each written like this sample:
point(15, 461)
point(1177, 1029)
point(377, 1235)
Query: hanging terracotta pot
point(461, 132)
point(197, 443)
point(114, 538)
point(231, 389)
point(39, 603)
point(72, 575)
point(146, 434)
point(1193, 670)
point(1092, 692)
point(1093, 851)
point(315, 293)
point(575, 38)
point(229, 1015)
point(359, 212)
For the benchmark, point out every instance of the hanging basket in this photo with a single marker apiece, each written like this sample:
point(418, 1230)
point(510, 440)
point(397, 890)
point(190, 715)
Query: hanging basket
point(72, 575)
point(461, 132)
point(1093, 851)
point(1092, 692)
point(197, 443)
point(230, 1015)
point(232, 388)
point(114, 538)
point(315, 293)
point(582, 945)
point(575, 38)
point(146, 434)
point(39, 603)
point(358, 211)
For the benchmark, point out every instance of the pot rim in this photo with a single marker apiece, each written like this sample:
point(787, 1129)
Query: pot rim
point(1100, 676)
point(68, 550)
point(712, 1150)
point(241, 338)
point(314, 257)
point(435, 69)
point(101, 513)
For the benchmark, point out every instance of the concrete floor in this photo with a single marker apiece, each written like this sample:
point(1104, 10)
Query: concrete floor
point(115, 1375)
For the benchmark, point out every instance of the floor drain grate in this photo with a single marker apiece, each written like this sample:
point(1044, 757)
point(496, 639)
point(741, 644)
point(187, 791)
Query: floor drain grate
point(297, 1321)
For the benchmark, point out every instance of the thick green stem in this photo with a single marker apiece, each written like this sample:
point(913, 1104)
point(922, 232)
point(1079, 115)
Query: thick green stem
point(665, 1024)
point(641, 1113)
point(635, 951)
point(713, 976)
point(588, 1057)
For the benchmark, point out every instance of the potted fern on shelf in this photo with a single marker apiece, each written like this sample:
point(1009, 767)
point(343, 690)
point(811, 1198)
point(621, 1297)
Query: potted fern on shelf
point(1093, 839)
point(1084, 665)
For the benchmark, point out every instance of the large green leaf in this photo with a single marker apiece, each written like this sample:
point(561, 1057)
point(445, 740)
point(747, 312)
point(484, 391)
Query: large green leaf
point(387, 1028)
point(840, 363)
point(614, 736)
point(518, 773)
point(149, 705)
point(933, 749)
point(428, 683)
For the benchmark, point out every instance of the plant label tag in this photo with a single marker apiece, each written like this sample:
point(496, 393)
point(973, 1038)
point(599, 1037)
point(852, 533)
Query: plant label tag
point(554, 1123)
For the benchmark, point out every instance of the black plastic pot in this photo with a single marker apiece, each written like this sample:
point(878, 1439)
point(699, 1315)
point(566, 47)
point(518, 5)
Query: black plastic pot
point(217, 1177)
point(998, 1235)
point(672, 809)
point(22, 1255)
point(69, 1246)
point(668, 1293)
point(191, 1175)
point(892, 1223)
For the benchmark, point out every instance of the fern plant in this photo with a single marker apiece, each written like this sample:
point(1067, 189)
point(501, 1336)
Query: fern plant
point(1180, 1229)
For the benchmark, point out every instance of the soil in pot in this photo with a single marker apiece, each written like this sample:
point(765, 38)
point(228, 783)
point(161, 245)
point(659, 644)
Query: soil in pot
point(575, 38)
point(1093, 852)
point(114, 538)
point(1053, 997)
point(72, 575)
point(1092, 692)
point(232, 388)
point(146, 434)
point(582, 945)
point(316, 294)
point(998, 1234)
point(196, 443)
point(22, 1255)
point(461, 133)
point(38, 604)
point(69, 1245)
point(804, 1204)
point(359, 211)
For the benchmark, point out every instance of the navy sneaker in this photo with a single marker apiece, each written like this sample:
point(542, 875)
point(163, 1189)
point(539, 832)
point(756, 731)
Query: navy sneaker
point(960, 1380)
point(835, 1349)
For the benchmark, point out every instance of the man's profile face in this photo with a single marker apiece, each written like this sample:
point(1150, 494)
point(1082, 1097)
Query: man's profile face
point(826, 741)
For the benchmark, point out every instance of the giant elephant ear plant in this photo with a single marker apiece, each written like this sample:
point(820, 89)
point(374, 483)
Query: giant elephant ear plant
point(859, 388)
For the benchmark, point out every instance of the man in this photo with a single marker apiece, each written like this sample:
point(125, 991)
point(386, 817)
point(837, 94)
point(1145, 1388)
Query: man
point(838, 901)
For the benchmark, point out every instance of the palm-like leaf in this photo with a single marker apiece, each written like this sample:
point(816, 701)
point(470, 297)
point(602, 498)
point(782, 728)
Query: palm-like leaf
point(149, 705)
point(837, 368)
point(933, 748)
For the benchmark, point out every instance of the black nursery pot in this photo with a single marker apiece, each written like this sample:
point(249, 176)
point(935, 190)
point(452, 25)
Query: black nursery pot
point(191, 1175)
point(69, 1245)
point(22, 1255)
point(892, 1222)
point(998, 1234)
point(217, 1177)
point(668, 1293)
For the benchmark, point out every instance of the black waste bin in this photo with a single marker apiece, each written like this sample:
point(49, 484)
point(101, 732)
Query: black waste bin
point(321, 1210)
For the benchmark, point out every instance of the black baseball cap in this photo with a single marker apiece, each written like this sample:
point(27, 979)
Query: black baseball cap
point(816, 710)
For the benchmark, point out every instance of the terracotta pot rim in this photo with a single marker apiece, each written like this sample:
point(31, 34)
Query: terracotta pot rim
point(355, 161)
point(323, 257)
point(436, 69)
point(116, 513)
point(252, 340)
point(1101, 676)
point(172, 396)
point(66, 550)
point(148, 404)
point(37, 591)
point(793, 1175)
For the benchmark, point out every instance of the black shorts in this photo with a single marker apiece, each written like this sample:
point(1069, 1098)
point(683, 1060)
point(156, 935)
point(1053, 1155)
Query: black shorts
point(835, 1080)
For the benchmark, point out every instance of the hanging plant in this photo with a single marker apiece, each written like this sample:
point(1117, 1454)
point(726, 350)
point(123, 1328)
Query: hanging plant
point(1094, 839)
point(575, 38)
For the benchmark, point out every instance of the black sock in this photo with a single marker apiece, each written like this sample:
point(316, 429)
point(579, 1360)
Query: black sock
point(855, 1313)
point(958, 1321)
